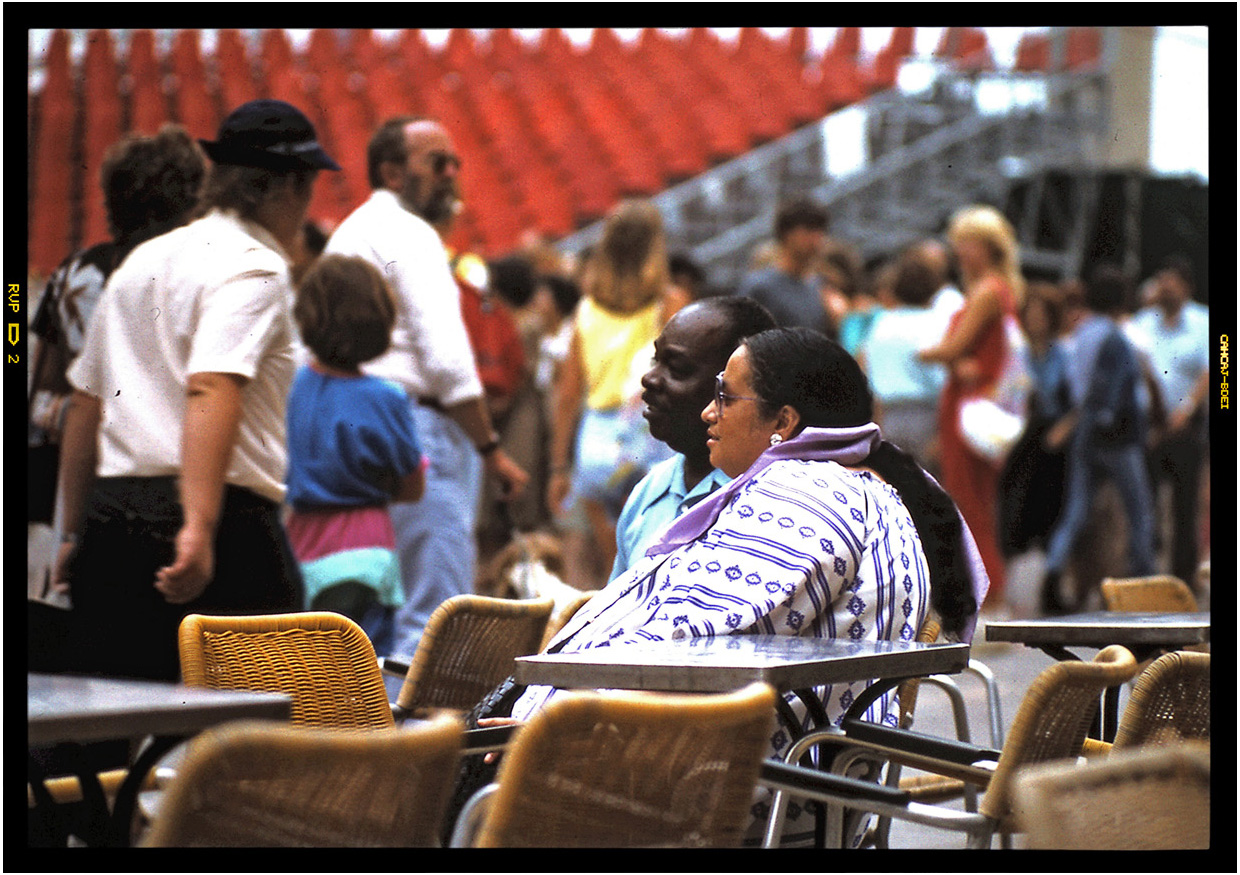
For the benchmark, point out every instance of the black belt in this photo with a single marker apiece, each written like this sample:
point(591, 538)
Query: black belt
point(432, 403)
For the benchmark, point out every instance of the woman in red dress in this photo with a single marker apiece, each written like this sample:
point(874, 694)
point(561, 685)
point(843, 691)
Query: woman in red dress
point(974, 350)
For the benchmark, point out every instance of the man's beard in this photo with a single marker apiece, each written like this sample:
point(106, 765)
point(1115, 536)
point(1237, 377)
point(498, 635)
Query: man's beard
point(440, 206)
point(434, 208)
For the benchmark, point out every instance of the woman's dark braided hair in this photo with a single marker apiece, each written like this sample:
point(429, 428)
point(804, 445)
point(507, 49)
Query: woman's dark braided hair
point(819, 379)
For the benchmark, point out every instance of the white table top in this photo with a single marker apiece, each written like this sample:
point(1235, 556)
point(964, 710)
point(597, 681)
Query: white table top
point(731, 661)
point(75, 708)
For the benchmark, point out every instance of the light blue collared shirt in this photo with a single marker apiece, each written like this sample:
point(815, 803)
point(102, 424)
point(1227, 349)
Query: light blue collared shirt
point(658, 499)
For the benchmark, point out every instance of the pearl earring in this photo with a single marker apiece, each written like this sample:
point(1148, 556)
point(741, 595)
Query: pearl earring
point(777, 439)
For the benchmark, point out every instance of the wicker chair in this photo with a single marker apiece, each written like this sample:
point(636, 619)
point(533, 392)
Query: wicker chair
point(626, 770)
point(1143, 799)
point(468, 647)
point(1050, 724)
point(1160, 593)
point(323, 660)
point(259, 784)
point(1170, 703)
point(557, 622)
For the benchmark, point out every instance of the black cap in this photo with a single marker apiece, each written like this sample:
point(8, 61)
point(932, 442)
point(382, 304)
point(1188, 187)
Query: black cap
point(270, 134)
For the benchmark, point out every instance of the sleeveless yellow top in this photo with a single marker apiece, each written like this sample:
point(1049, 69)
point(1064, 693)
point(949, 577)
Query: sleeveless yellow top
point(610, 342)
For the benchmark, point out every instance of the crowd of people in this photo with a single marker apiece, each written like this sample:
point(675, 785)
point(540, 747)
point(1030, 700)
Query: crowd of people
point(247, 415)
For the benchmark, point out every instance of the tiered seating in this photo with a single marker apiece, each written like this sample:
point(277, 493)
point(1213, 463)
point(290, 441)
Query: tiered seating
point(52, 154)
point(551, 136)
point(839, 73)
point(627, 147)
point(764, 113)
point(347, 124)
point(719, 123)
point(783, 69)
point(102, 126)
point(529, 167)
point(679, 145)
point(553, 115)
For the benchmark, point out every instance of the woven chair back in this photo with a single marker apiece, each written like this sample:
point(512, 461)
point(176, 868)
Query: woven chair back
point(468, 647)
point(323, 660)
point(1143, 799)
point(1053, 719)
point(1170, 702)
point(633, 770)
point(255, 784)
point(907, 691)
point(1157, 594)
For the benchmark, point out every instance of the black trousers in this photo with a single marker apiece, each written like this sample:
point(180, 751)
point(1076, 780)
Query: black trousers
point(1178, 459)
point(121, 625)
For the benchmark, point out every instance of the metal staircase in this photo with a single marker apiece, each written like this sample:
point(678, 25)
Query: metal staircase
point(892, 169)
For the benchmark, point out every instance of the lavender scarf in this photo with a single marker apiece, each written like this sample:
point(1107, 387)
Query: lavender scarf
point(848, 446)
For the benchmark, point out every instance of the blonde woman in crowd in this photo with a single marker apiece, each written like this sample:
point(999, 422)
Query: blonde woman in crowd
point(627, 298)
point(975, 350)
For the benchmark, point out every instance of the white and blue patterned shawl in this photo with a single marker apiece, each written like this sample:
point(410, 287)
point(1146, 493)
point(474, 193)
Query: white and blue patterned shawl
point(807, 548)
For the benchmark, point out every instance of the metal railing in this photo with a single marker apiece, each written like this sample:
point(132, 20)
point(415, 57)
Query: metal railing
point(909, 160)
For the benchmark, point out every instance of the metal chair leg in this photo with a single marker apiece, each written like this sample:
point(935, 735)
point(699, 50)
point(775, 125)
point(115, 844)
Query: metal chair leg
point(980, 670)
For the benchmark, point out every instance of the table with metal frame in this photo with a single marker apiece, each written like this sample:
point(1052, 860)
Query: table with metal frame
point(72, 710)
point(1144, 634)
point(728, 662)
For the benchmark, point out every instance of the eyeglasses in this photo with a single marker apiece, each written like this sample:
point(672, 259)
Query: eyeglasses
point(722, 396)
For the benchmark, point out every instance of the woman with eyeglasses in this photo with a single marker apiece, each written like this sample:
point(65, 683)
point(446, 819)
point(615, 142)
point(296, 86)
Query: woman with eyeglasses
point(827, 531)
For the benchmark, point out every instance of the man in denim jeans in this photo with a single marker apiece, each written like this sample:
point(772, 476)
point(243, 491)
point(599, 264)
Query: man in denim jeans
point(1106, 429)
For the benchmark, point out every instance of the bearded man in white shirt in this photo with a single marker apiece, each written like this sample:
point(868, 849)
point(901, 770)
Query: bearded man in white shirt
point(413, 165)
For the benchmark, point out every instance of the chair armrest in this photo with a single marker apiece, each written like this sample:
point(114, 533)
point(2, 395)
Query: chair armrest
point(798, 779)
point(487, 739)
point(918, 743)
point(864, 796)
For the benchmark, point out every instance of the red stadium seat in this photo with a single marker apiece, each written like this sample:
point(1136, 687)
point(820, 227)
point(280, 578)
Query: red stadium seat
point(51, 221)
point(1033, 53)
point(965, 48)
point(847, 43)
point(234, 71)
point(1084, 49)
point(840, 81)
point(148, 104)
point(363, 52)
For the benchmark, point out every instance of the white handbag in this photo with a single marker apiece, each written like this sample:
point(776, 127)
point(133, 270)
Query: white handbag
point(989, 429)
point(991, 425)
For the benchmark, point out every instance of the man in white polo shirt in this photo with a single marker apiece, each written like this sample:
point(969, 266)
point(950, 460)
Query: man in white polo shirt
point(412, 166)
point(174, 456)
point(1174, 330)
